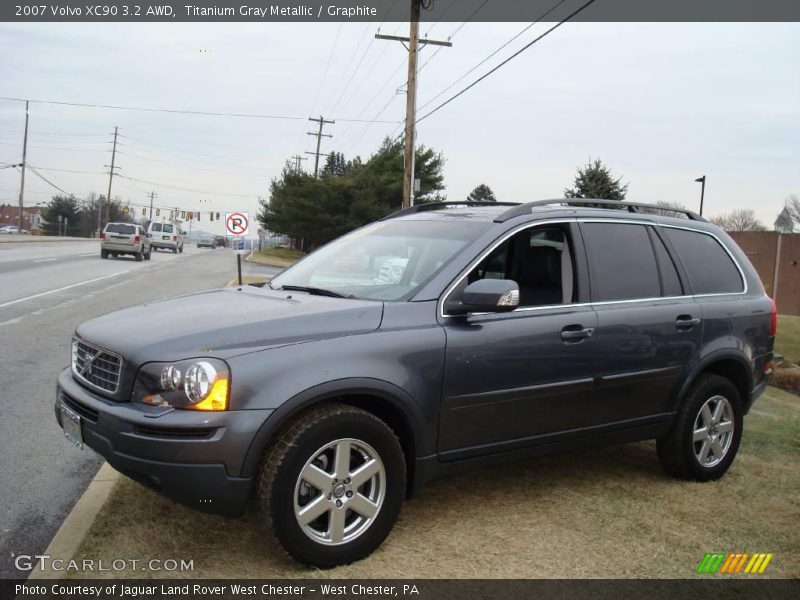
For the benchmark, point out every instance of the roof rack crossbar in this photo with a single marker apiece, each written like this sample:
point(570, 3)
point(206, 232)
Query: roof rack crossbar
point(634, 207)
point(438, 205)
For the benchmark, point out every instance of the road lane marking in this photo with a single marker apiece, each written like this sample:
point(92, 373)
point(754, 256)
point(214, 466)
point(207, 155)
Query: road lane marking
point(59, 289)
point(90, 254)
point(44, 260)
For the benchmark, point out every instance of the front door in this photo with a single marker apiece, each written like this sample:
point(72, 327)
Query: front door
point(514, 379)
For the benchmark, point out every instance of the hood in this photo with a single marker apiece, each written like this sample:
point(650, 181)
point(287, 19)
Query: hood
point(227, 322)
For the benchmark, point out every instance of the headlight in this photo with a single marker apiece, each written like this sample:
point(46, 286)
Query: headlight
point(196, 384)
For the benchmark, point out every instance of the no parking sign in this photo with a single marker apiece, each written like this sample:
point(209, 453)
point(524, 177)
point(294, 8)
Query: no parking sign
point(237, 223)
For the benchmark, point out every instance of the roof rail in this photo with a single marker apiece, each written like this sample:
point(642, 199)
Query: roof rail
point(634, 207)
point(439, 205)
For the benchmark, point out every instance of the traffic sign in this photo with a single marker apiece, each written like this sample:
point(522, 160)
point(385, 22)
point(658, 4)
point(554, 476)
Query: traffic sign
point(239, 245)
point(237, 223)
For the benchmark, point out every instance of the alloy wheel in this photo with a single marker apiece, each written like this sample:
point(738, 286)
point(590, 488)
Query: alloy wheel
point(713, 431)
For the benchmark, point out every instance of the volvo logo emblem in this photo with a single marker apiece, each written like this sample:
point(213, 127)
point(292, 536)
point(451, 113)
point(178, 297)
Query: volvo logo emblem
point(88, 361)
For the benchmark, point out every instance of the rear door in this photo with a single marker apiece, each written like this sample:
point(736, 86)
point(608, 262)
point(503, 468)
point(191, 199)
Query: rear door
point(122, 235)
point(649, 327)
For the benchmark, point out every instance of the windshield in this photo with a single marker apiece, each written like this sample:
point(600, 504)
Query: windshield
point(388, 260)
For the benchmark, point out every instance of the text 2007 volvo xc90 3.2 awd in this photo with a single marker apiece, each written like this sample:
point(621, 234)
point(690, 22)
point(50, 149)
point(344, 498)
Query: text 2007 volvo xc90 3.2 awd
point(443, 337)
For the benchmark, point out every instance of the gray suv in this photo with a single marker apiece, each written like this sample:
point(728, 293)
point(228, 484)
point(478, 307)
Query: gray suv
point(441, 338)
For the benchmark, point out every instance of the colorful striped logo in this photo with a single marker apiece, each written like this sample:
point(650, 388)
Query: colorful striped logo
point(734, 562)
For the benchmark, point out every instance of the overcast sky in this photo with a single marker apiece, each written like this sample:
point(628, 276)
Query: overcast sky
point(661, 104)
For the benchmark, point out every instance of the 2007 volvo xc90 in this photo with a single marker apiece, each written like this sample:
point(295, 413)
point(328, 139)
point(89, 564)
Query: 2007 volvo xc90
point(442, 337)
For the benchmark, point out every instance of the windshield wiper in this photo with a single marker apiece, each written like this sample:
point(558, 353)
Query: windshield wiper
point(314, 290)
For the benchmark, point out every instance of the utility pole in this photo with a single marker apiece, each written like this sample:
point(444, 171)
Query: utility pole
point(297, 158)
point(319, 136)
point(413, 42)
point(152, 193)
point(111, 175)
point(24, 162)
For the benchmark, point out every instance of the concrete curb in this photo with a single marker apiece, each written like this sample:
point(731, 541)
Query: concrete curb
point(35, 239)
point(73, 530)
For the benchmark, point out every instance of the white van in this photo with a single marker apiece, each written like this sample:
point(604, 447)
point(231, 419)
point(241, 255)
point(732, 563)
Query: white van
point(166, 235)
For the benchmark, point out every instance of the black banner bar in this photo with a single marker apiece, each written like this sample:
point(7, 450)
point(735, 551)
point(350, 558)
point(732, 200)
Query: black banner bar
point(379, 11)
point(717, 587)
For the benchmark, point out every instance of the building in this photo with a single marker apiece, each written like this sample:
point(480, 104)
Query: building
point(31, 217)
point(784, 223)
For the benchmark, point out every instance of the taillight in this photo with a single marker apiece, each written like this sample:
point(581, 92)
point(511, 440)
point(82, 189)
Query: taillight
point(103, 235)
point(174, 238)
point(136, 239)
point(773, 324)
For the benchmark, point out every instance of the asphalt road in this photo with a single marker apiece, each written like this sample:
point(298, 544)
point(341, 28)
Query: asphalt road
point(46, 290)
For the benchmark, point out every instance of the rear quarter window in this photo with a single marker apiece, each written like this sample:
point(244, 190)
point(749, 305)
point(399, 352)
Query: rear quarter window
point(710, 268)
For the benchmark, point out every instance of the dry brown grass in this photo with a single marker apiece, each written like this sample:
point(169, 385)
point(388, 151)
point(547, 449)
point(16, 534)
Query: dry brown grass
point(607, 513)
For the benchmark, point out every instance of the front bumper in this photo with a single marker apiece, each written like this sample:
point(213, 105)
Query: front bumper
point(193, 457)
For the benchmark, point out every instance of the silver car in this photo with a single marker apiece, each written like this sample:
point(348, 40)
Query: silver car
point(125, 238)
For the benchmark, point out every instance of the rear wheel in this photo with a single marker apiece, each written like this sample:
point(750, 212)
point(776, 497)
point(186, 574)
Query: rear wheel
point(139, 256)
point(180, 249)
point(103, 253)
point(149, 253)
point(705, 436)
point(331, 486)
point(174, 250)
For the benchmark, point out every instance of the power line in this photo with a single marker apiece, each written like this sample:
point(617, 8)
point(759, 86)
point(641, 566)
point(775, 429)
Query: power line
point(183, 189)
point(166, 110)
point(507, 60)
point(526, 28)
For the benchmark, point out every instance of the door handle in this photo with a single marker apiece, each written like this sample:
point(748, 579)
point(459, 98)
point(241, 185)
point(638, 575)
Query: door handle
point(686, 322)
point(576, 333)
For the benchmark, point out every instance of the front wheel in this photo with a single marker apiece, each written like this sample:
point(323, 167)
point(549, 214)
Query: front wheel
point(331, 486)
point(705, 436)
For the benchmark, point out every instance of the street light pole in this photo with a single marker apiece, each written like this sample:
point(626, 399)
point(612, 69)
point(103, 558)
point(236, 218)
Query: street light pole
point(702, 181)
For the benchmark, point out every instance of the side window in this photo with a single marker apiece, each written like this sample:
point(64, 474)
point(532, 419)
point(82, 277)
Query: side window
point(670, 282)
point(622, 265)
point(710, 268)
point(539, 260)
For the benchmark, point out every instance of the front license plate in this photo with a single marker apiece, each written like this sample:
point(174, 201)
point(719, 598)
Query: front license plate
point(72, 426)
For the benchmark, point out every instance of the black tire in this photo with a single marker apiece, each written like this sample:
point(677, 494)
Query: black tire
point(139, 256)
point(104, 254)
point(180, 249)
point(677, 450)
point(174, 250)
point(149, 253)
point(279, 479)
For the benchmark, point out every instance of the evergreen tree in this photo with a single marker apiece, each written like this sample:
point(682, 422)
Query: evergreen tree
point(482, 193)
point(594, 180)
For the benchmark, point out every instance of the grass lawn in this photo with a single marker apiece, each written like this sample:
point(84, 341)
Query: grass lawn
point(787, 342)
point(277, 257)
point(606, 513)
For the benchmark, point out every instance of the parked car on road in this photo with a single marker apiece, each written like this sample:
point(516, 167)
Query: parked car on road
point(9, 229)
point(125, 238)
point(443, 337)
point(167, 236)
point(206, 241)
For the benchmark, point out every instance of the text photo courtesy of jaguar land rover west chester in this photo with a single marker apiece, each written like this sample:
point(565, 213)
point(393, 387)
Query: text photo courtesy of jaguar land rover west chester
point(440, 338)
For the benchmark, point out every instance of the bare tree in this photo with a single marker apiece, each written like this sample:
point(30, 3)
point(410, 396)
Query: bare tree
point(741, 219)
point(668, 208)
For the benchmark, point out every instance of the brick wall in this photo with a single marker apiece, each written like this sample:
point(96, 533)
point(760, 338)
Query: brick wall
point(763, 248)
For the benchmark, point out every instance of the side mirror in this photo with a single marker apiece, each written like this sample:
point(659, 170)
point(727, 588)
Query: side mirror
point(486, 295)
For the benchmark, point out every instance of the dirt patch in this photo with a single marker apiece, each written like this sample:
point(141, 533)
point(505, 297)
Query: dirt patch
point(608, 513)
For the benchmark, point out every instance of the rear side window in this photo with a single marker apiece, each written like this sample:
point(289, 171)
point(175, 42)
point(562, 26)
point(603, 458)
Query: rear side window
point(621, 261)
point(120, 228)
point(155, 227)
point(710, 268)
point(167, 228)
